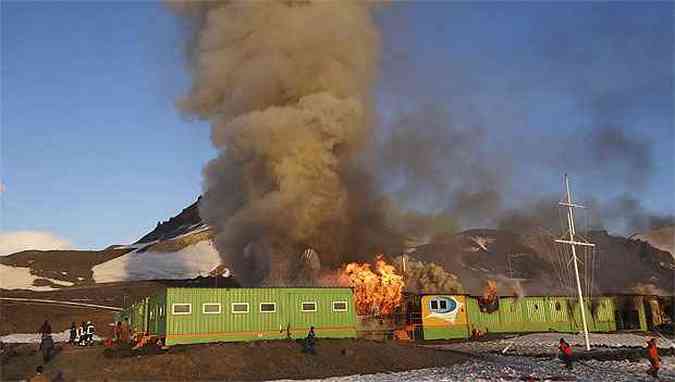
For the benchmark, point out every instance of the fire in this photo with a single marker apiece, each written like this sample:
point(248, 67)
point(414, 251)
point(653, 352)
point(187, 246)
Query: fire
point(490, 292)
point(376, 292)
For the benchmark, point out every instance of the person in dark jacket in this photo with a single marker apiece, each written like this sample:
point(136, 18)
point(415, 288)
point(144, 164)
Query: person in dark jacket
point(310, 341)
point(566, 353)
point(46, 329)
point(73, 333)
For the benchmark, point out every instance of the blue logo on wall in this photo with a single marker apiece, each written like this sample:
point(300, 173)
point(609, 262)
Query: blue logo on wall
point(442, 304)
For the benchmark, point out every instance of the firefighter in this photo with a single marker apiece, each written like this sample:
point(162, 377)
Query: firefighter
point(90, 330)
point(566, 353)
point(654, 359)
point(81, 334)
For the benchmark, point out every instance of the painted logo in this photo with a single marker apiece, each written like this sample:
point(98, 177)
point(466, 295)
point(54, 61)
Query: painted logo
point(444, 308)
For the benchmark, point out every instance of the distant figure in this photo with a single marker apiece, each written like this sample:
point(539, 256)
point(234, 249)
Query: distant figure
point(39, 377)
point(46, 341)
point(81, 334)
point(46, 329)
point(310, 341)
point(117, 332)
point(566, 353)
point(73, 333)
point(46, 347)
point(124, 332)
point(89, 331)
point(654, 359)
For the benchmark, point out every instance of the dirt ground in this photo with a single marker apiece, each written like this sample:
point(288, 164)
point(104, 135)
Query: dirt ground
point(228, 361)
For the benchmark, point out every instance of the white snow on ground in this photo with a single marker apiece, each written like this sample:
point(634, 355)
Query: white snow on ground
point(509, 368)
point(548, 342)
point(189, 262)
point(30, 338)
point(21, 278)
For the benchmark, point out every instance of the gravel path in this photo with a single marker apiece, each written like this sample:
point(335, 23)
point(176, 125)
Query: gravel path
point(514, 368)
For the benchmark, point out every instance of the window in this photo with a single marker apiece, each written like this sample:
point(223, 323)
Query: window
point(179, 309)
point(161, 311)
point(211, 308)
point(268, 307)
point(558, 307)
point(240, 307)
point(339, 306)
point(443, 304)
point(308, 306)
point(536, 307)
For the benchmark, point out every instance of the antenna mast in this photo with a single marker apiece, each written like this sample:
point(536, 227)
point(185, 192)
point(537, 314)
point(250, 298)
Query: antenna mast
point(573, 243)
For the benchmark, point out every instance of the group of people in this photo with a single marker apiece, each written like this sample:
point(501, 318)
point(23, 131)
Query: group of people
point(82, 335)
point(652, 355)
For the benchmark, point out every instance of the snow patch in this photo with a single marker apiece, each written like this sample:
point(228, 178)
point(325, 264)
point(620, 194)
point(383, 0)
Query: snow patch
point(35, 338)
point(189, 262)
point(21, 278)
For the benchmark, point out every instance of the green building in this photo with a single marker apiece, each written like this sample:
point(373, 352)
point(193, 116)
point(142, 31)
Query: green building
point(458, 316)
point(200, 315)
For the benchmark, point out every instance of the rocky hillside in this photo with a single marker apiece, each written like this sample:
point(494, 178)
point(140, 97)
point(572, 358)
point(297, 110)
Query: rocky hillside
point(530, 263)
point(520, 262)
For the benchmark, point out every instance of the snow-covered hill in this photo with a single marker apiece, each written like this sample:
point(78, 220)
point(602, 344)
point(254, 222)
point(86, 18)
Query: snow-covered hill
point(191, 261)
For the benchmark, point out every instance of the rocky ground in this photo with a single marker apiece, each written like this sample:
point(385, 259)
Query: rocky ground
point(515, 368)
point(547, 343)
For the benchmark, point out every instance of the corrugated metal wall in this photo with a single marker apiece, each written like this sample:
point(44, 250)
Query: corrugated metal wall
point(538, 314)
point(287, 318)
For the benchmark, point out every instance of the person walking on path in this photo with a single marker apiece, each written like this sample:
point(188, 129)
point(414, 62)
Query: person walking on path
point(73, 333)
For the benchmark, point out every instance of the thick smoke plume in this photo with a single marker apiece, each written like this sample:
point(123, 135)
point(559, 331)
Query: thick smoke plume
point(286, 86)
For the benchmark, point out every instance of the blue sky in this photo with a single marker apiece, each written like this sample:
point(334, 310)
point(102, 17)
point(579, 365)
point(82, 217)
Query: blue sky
point(93, 150)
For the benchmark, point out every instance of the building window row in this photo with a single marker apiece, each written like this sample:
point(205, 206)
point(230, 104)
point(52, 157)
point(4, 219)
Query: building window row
point(244, 308)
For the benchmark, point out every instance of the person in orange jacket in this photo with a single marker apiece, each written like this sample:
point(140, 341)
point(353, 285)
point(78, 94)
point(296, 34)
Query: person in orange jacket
point(566, 353)
point(654, 359)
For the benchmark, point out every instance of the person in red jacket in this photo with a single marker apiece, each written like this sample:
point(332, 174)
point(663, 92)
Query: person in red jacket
point(566, 353)
point(654, 359)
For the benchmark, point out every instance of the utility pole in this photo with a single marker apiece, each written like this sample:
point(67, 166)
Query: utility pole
point(573, 243)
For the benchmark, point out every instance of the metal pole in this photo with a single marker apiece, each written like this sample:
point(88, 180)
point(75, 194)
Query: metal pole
point(570, 219)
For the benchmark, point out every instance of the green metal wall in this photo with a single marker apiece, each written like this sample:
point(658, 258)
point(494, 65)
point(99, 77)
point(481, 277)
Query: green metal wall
point(537, 314)
point(198, 327)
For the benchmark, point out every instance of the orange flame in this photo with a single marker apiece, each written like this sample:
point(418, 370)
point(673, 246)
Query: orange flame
point(490, 292)
point(375, 293)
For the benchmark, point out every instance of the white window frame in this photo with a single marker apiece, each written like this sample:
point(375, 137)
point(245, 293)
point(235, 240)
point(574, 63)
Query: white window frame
point(220, 308)
point(239, 312)
point(302, 307)
point(173, 309)
point(340, 302)
point(267, 311)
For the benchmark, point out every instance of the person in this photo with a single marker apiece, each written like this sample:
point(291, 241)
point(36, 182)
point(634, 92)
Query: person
point(39, 377)
point(46, 347)
point(124, 331)
point(73, 333)
point(310, 341)
point(654, 359)
point(566, 353)
point(81, 335)
point(90, 330)
point(117, 332)
point(46, 329)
